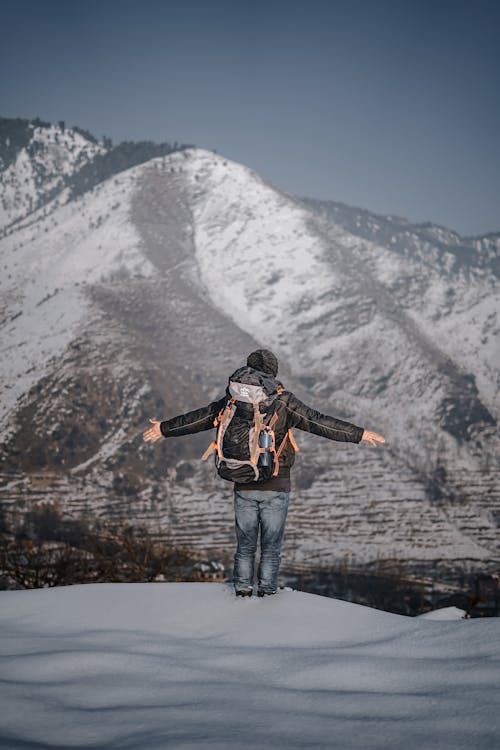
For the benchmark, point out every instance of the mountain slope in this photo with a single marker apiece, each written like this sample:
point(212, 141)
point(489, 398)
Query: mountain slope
point(140, 297)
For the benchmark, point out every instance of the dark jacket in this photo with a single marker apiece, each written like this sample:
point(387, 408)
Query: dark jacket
point(291, 413)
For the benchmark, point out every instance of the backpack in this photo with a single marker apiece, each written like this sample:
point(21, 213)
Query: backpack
point(245, 449)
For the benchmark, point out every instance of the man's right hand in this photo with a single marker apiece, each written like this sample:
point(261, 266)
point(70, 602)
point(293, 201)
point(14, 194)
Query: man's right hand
point(371, 437)
point(154, 433)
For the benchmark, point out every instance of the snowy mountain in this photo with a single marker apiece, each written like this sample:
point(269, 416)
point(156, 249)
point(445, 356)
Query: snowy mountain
point(137, 299)
point(36, 160)
point(189, 665)
point(40, 162)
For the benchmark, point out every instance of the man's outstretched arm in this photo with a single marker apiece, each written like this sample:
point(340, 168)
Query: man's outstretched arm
point(185, 424)
point(305, 418)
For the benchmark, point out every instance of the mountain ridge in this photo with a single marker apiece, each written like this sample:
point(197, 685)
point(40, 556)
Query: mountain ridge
point(46, 147)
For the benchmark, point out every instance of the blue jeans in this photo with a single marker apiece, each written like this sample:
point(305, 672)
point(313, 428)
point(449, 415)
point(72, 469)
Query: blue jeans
point(254, 508)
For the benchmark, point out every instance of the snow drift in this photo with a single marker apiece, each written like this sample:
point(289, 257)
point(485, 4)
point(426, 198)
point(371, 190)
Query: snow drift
point(187, 665)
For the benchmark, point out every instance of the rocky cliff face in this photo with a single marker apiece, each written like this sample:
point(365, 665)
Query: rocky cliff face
point(140, 297)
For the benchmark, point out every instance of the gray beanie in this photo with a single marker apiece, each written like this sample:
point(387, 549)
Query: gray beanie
point(263, 360)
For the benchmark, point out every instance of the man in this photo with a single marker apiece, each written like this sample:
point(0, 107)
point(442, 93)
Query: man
point(264, 503)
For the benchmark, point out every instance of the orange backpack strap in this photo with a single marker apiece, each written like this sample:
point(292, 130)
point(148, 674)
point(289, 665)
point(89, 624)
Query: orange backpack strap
point(282, 445)
point(211, 447)
point(273, 421)
point(293, 441)
point(289, 436)
point(220, 420)
point(226, 416)
point(276, 457)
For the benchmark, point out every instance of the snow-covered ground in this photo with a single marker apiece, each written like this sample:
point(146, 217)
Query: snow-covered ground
point(187, 665)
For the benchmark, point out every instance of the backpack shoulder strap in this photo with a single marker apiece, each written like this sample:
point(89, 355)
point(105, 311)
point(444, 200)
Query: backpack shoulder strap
point(226, 417)
point(221, 420)
point(288, 436)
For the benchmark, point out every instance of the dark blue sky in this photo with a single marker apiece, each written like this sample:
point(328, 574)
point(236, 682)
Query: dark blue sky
point(392, 105)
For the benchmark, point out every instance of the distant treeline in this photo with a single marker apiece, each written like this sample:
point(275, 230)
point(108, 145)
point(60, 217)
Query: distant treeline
point(15, 134)
point(117, 159)
point(392, 587)
point(43, 548)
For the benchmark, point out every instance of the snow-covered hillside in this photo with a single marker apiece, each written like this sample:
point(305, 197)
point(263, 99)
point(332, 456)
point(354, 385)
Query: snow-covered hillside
point(187, 665)
point(48, 263)
point(39, 169)
point(140, 297)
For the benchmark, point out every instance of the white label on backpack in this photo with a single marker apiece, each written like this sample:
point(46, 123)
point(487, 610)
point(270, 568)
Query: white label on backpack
point(251, 394)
